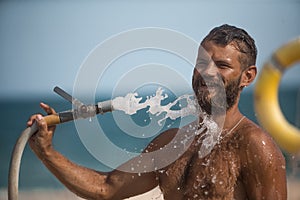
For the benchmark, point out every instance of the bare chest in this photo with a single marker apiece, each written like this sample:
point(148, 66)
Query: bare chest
point(213, 177)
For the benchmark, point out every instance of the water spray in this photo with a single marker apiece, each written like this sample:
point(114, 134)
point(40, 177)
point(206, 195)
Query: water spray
point(129, 104)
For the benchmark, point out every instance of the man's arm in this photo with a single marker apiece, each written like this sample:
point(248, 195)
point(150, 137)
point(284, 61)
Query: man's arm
point(263, 167)
point(83, 181)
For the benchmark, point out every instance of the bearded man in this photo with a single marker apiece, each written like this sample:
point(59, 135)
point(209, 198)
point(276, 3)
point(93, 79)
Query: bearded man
point(244, 163)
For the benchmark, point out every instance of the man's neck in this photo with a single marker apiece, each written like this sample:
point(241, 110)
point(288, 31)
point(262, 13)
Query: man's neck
point(233, 115)
point(228, 119)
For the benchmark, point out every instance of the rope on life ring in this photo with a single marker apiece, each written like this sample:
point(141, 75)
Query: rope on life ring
point(266, 102)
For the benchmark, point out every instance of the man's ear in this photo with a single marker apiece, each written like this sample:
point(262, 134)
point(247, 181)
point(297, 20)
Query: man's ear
point(248, 76)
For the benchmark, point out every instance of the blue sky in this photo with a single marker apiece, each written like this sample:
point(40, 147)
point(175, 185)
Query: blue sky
point(44, 43)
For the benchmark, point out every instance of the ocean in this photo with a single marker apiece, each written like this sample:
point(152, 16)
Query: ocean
point(15, 112)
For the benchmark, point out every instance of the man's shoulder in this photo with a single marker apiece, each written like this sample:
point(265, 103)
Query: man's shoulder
point(259, 154)
point(251, 132)
point(162, 139)
point(256, 140)
point(175, 135)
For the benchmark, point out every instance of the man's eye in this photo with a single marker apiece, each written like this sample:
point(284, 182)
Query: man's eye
point(222, 66)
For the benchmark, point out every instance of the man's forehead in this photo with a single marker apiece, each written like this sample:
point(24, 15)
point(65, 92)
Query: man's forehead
point(210, 50)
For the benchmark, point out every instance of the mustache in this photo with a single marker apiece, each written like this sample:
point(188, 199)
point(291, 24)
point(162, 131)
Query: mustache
point(209, 82)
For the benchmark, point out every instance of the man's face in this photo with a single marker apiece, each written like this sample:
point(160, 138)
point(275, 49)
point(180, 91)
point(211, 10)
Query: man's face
point(217, 68)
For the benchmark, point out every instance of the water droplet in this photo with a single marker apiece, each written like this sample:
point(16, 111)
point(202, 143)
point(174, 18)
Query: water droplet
point(263, 142)
point(293, 157)
point(270, 155)
point(195, 185)
point(213, 180)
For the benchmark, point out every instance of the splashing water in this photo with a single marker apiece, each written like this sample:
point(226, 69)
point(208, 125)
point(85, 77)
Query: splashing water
point(131, 103)
point(210, 138)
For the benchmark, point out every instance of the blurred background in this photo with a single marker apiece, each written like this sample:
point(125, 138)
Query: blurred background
point(44, 43)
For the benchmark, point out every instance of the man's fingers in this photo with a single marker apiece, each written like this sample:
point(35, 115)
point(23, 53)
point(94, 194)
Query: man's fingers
point(49, 110)
point(41, 122)
point(38, 117)
point(31, 120)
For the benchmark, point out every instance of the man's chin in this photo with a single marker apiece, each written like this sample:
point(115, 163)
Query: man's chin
point(211, 108)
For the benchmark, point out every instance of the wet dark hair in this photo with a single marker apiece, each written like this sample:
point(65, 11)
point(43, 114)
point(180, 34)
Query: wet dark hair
point(226, 34)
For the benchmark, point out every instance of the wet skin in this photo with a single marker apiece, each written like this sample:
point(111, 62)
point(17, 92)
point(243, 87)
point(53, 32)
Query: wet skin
point(245, 164)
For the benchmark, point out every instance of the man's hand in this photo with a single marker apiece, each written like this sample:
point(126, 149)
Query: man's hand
point(41, 141)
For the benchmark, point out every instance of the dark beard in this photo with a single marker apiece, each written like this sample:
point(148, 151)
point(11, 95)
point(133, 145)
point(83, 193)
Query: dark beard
point(232, 92)
point(215, 104)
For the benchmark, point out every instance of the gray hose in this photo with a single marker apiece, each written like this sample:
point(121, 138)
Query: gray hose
point(14, 168)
